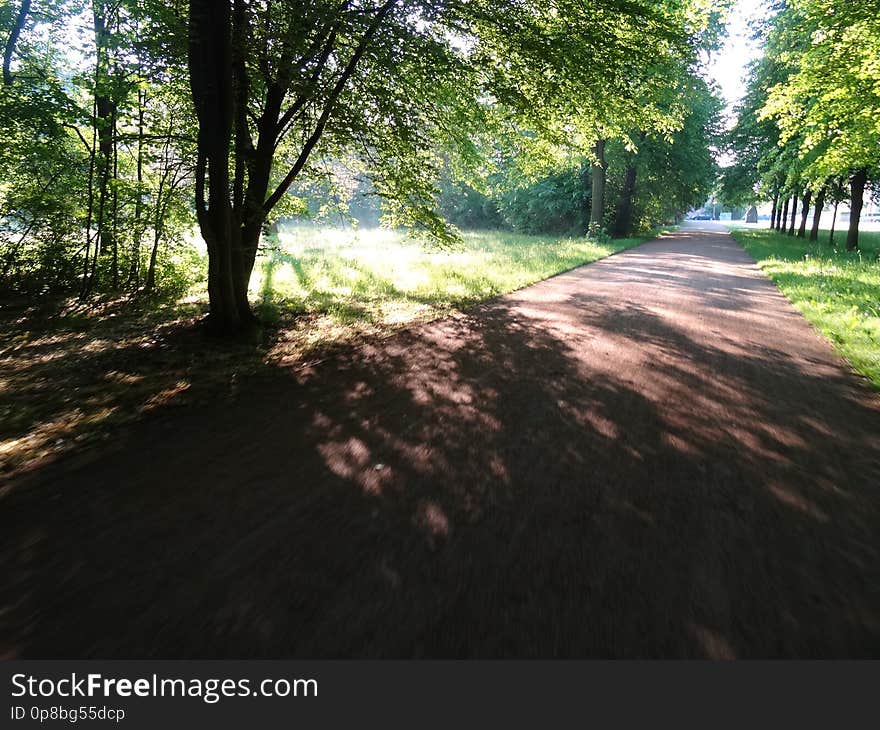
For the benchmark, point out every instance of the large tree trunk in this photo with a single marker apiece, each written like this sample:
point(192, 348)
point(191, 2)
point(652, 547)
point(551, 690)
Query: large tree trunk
point(624, 214)
point(780, 221)
point(211, 82)
point(775, 210)
point(219, 81)
point(805, 211)
point(231, 228)
point(817, 212)
point(597, 201)
point(857, 188)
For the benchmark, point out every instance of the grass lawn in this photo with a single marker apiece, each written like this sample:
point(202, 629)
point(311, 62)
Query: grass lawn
point(330, 284)
point(836, 290)
point(70, 374)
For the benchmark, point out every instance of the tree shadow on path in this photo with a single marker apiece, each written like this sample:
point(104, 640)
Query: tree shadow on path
point(560, 473)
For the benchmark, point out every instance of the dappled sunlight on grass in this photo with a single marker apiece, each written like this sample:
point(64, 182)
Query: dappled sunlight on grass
point(343, 283)
point(838, 291)
point(72, 373)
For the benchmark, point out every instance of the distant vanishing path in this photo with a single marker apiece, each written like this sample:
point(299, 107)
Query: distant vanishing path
point(653, 455)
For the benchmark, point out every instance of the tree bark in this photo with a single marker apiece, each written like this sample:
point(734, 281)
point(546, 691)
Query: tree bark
point(794, 203)
point(780, 220)
point(210, 71)
point(597, 200)
point(857, 189)
point(775, 210)
point(217, 40)
point(805, 211)
point(817, 212)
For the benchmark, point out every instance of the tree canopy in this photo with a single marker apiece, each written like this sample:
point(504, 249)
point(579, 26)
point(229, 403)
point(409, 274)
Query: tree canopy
point(152, 117)
point(811, 117)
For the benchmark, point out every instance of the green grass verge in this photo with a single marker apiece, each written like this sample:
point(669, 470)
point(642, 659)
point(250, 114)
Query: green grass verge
point(382, 277)
point(836, 290)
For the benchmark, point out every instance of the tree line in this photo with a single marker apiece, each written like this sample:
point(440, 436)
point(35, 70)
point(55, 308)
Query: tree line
point(807, 132)
point(126, 124)
point(648, 182)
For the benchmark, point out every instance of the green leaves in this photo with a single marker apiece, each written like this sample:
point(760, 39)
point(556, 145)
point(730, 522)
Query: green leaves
point(827, 105)
point(101, 132)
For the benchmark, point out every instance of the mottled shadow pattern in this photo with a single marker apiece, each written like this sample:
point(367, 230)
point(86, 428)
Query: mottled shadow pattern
point(650, 456)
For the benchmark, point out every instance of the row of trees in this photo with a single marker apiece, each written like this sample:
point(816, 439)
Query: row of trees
point(125, 123)
point(654, 179)
point(807, 132)
point(97, 144)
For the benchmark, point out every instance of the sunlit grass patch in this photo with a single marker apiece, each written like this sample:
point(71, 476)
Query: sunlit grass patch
point(71, 373)
point(377, 278)
point(838, 291)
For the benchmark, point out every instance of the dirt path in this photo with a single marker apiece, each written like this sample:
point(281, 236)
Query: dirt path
point(653, 455)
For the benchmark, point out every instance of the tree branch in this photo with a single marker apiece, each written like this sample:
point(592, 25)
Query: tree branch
point(312, 140)
point(14, 34)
